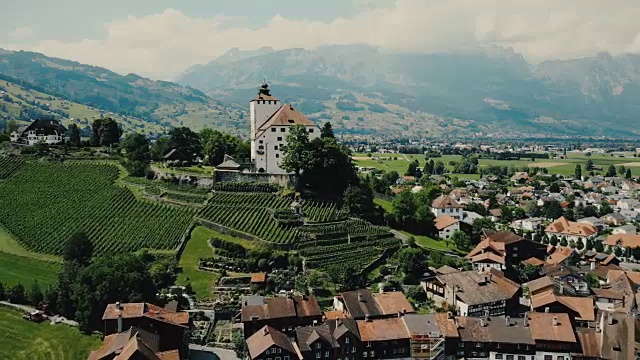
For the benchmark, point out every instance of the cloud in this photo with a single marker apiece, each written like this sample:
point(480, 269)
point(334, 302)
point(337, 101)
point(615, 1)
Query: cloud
point(22, 35)
point(164, 44)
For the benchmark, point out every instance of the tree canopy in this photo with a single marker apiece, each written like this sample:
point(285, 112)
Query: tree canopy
point(186, 143)
point(137, 154)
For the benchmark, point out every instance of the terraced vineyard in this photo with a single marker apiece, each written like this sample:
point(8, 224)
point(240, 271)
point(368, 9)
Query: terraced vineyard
point(44, 203)
point(9, 165)
point(322, 245)
point(316, 211)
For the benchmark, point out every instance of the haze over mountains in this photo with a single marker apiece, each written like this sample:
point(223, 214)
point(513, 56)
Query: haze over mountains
point(494, 88)
point(361, 89)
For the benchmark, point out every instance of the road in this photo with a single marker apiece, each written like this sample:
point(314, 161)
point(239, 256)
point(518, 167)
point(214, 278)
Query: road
point(56, 319)
point(200, 352)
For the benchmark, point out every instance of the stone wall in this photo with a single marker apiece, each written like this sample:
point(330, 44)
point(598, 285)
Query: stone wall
point(284, 180)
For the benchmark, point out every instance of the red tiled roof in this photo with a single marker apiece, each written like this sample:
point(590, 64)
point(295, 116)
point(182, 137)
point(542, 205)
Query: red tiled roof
point(626, 240)
point(135, 310)
point(566, 227)
point(444, 221)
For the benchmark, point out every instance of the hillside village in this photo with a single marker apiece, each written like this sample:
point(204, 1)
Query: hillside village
point(291, 246)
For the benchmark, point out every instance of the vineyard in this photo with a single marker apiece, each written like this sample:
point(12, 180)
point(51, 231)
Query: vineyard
point(44, 203)
point(9, 166)
point(322, 245)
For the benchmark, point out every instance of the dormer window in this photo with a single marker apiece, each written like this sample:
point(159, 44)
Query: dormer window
point(310, 130)
point(291, 121)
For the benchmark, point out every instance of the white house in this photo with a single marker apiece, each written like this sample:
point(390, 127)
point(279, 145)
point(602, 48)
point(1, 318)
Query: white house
point(576, 231)
point(530, 224)
point(446, 205)
point(625, 229)
point(270, 124)
point(446, 226)
point(40, 131)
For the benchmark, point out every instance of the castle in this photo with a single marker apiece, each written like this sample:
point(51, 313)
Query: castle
point(270, 124)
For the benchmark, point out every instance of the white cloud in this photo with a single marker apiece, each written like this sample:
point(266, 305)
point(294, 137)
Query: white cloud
point(22, 35)
point(162, 45)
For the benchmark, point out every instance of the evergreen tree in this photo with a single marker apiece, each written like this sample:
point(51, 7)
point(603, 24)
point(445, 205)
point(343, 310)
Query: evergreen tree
point(74, 138)
point(578, 172)
point(611, 171)
point(35, 294)
point(589, 166)
point(627, 175)
point(327, 130)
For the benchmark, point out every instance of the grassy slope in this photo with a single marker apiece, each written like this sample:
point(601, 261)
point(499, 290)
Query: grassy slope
point(84, 114)
point(18, 265)
point(21, 339)
point(198, 247)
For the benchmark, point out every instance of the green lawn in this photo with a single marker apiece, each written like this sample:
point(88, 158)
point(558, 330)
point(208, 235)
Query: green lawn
point(24, 340)
point(198, 247)
point(18, 265)
point(428, 243)
point(16, 269)
point(386, 205)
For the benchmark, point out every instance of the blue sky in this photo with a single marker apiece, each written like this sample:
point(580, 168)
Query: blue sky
point(161, 38)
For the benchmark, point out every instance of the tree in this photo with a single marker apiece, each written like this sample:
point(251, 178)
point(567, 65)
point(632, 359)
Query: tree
point(628, 175)
point(611, 171)
point(105, 132)
point(618, 251)
point(328, 168)
point(412, 262)
point(35, 294)
point(78, 249)
point(358, 199)
point(578, 172)
point(327, 130)
point(527, 271)
point(554, 240)
point(214, 146)
point(622, 170)
point(240, 345)
point(74, 138)
point(186, 143)
point(16, 294)
point(554, 187)
point(296, 150)
point(579, 245)
point(480, 224)
point(598, 246)
point(605, 208)
point(12, 126)
point(635, 252)
point(589, 165)
point(563, 241)
point(552, 209)
point(137, 154)
point(461, 240)
point(404, 207)
point(160, 148)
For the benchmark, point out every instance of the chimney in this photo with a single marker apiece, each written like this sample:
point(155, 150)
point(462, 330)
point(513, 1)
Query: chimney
point(546, 309)
point(119, 321)
point(118, 307)
point(592, 266)
point(265, 331)
point(507, 320)
point(482, 322)
point(555, 321)
point(486, 315)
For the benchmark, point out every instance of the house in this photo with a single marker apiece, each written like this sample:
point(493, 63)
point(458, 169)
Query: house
point(595, 258)
point(572, 231)
point(472, 293)
point(625, 229)
point(536, 336)
point(229, 165)
point(622, 241)
point(446, 226)
point(617, 294)
point(133, 344)
point(45, 131)
point(259, 279)
point(335, 339)
point(270, 125)
point(446, 205)
point(171, 327)
point(598, 223)
point(527, 225)
point(628, 204)
point(541, 285)
point(580, 309)
point(504, 250)
point(384, 338)
point(614, 219)
point(282, 313)
point(560, 255)
point(613, 337)
point(268, 343)
point(495, 215)
point(362, 304)
point(426, 338)
point(520, 177)
point(568, 276)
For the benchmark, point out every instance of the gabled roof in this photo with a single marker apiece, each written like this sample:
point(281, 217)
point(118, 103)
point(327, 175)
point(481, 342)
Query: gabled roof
point(445, 202)
point(308, 335)
point(382, 329)
point(265, 338)
point(229, 164)
point(444, 221)
point(393, 302)
point(285, 116)
point(566, 227)
point(136, 310)
point(542, 327)
point(583, 306)
point(45, 127)
point(540, 283)
point(560, 254)
point(626, 240)
point(115, 343)
point(504, 236)
point(271, 308)
point(474, 289)
point(360, 304)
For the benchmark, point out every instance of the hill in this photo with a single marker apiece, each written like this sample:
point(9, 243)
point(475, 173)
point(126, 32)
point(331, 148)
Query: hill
point(495, 90)
point(159, 104)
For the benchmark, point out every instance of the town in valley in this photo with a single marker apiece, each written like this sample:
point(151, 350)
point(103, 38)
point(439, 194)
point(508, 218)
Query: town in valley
point(331, 202)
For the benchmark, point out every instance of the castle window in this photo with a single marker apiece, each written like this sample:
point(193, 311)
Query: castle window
point(279, 138)
point(275, 147)
point(277, 156)
point(261, 141)
point(282, 129)
point(273, 129)
point(310, 130)
point(261, 147)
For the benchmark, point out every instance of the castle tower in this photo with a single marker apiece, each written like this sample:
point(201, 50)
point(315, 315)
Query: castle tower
point(261, 108)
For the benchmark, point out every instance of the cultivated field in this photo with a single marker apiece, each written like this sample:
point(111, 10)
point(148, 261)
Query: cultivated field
point(42, 204)
point(24, 340)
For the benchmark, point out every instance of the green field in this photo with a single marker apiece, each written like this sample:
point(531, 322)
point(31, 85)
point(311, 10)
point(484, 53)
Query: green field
point(44, 203)
point(15, 269)
point(25, 340)
point(198, 247)
point(557, 166)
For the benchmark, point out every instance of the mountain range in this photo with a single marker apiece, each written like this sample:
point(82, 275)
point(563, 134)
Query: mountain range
point(489, 90)
point(359, 88)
